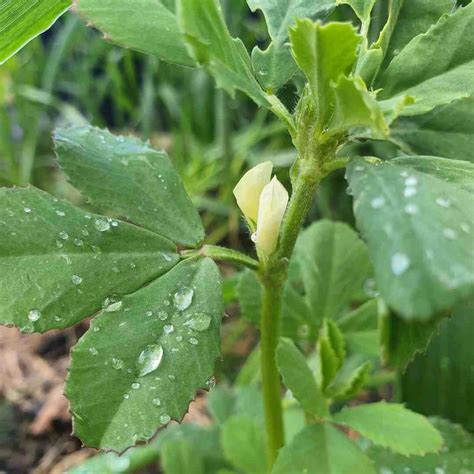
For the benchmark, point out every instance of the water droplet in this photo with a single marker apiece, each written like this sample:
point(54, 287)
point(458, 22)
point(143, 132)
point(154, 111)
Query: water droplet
point(149, 359)
point(149, 313)
point(59, 244)
point(168, 328)
point(85, 232)
point(183, 298)
point(114, 224)
point(450, 233)
point(411, 181)
point(76, 279)
point(172, 377)
point(162, 315)
point(156, 401)
point(63, 235)
point(60, 213)
point(400, 263)
point(443, 202)
point(211, 383)
point(199, 322)
point(370, 288)
point(78, 242)
point(96, 329)
point(164, 419)
point(34, 315)
point(377, 202)
point(112, 304)
point(303, 331)
point(409, 191)
point(193, 341)
point(126, 396)
point(58, 319)
point(135, 385)
point(117, 363)
point(101, 225)
point(253, 237)
point(263, 72)
point(93, 351)
point(179, 338)
point(411, 209)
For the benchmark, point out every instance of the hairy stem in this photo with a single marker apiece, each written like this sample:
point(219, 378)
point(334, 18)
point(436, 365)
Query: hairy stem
point(222, 254)
point(273, 277)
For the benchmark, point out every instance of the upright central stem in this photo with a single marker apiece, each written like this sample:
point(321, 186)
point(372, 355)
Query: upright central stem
point(273, 278)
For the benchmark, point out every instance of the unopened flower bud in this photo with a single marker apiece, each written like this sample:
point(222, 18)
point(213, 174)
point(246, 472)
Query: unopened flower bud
point(272, 207)
point(250, 187)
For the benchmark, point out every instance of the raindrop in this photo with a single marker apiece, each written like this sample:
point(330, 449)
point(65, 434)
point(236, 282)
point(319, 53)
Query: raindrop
point(34, 315)
point(112, 304)
point(149, 359)
point(149, 313)
point(409, 191)
point(179, 338)
point(377, 202)
point(193, 341)
point(399, 263)
point(117, 363)
point(164, 419)
point(85, 232)
point(253, 237)
point(59, 244)
point(211, 383)
point(162, 315)
point(76, 279)
point(63, 235)
point(411, 181)
point(101, 225)
point(183, 298)
point(78, 242)
point(156, 401)
point(411, 209)
point(115, 224)
point(449, 233)
point(199, 322)
point(60, 213)
point(126, 396)
point(168, 328)
point(93, 351)
point(27, 210)
point(443, 202)
point(135, 385)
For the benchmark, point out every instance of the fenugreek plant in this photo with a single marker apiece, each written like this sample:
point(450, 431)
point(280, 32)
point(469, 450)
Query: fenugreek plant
point(141, 266)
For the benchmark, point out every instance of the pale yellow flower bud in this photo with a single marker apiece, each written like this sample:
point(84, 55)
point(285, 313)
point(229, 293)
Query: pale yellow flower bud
point(272, 207)
point(249, 188)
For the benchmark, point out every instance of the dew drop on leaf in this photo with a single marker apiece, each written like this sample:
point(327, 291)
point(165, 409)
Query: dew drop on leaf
point(149, 359)
point(399, 263)
point(135, 385)
point(377, 202)
point(164, 419)
point(93, 351)
point(112, 304)
point(117, 363)
point(168, 328)
point(156, 401)
point(193, 341)
point(162, 315)
point(34, 315)
point(63, 235)
point(60, 213)
point(199, 322)
point(183, 298)
point(76, 279)
point(101, 225)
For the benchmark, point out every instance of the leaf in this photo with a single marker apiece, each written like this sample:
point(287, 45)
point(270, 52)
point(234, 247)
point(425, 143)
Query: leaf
point(334, 263)
point(148, 26)
point(130, 179)
point(415, 214)
point(447, 131)
point(275, 66)
point(401, 340)
point(314, 52)
point(23, 20)
point(360, 328)
point(392, 426)
point(362, 8)
point(348, 383)
point(435, 68)
point(298, 378)
point(444, 371)
point(323, 449)
point(356, 107)
point(413, 19)
point(179, 456)
point(456, 457)
point(220, 403)
point(330, 354)
point(59, 264)
point(149, 357)
point(211, 44)
point(243, 444)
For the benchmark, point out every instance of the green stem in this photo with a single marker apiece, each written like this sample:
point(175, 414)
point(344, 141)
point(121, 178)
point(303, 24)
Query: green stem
point(269, 334)
point(222, 254)
point(273, 278)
